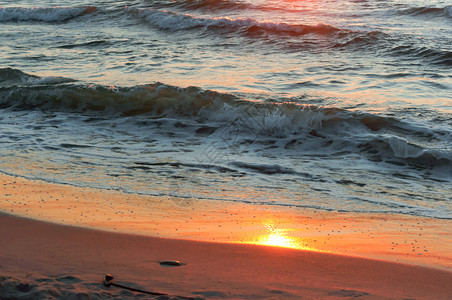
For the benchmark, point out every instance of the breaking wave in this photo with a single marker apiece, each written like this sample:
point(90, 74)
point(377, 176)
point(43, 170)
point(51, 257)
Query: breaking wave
point(430, 11)
point(53, 14)
point(398, 151)
point(204, 4)
point(380, 138)
point(12, 77)
point(172, 21)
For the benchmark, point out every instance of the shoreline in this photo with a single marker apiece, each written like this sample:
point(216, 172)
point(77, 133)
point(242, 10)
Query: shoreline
point(225, 248)
point(417, 241)
point(41, 258)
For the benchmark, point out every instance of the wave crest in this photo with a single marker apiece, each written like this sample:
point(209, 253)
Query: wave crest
point(290, 125)
point(430, 11)
point(204, 4)
point(433, 55)
point(53, 14)
point(401, 152)
point(172, 21)
point(12, 77)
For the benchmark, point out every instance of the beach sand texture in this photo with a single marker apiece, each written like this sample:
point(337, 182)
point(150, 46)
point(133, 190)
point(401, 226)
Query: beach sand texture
point(281, 149)
point(44, 260)
point(40, 260)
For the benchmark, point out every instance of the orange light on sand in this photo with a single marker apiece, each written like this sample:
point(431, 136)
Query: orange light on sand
point(278, 238)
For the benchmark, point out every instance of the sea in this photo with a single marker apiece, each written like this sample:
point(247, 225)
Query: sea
point(337, 106)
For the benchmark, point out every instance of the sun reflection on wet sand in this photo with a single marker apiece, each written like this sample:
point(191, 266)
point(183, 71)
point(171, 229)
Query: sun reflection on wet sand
point(279, 238)
point(398, 238)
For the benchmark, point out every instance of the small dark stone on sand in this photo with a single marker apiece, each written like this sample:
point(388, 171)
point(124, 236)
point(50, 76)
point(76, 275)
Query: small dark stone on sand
point(347, 293)
point(172, 263)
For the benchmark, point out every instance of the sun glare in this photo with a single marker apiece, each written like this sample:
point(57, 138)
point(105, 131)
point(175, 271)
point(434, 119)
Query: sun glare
point(279, 238)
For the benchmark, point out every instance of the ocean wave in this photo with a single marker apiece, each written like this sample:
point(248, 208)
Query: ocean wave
point(429, 11)
point(173, 21)
point(401, 152)
point(12, 77)
point(204, 4)
point(51, 14)
point(289, 124)
point(19, 90)
point(433, 55)
point(395, 46)
point(164, 101)
point(224, 5)
point(361, 40)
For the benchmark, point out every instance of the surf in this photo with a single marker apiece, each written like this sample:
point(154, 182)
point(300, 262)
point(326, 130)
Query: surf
point(44, 14)
point(379, 138)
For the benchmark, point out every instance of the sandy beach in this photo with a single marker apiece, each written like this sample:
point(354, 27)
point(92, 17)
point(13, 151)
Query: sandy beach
point(225, 149)
point(413, 240)
point(48, 260)
point(44, 260)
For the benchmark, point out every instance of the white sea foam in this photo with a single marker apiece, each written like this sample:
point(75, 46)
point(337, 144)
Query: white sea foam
point(403, 149)
point(49, 80)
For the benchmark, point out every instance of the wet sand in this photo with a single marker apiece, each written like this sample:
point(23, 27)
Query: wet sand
point(50, 260)
point(419, 241)
point(39, 258)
